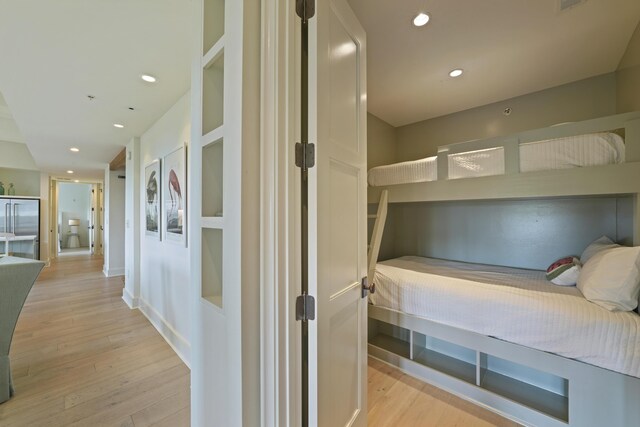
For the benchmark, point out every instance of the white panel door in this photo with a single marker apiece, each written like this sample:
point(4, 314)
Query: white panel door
point(338, 191)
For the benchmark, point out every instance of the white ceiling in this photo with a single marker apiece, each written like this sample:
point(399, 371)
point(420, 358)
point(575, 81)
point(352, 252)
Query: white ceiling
point(506, 47)
point(9, 131)
point(55, 53)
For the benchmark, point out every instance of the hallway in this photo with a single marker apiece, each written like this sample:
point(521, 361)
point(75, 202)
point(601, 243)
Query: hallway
point(81, 357)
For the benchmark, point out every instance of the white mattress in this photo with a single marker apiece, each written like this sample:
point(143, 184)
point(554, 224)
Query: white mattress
point(562, 153)
point(514, 305)
point(472, 164)
point(575, 151)
point(404, 173)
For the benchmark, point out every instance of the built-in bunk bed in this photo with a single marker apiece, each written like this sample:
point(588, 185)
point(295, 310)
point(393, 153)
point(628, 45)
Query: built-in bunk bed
point(503, 337)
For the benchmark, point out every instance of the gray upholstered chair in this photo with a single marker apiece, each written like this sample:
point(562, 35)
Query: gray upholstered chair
point(17, 276)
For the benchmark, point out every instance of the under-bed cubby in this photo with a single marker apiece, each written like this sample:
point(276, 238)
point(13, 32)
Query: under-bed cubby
point(445, 357)
point(533, 388)
point(493, 376)
point(390, 337)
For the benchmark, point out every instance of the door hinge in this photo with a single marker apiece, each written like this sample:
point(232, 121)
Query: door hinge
point(305, 155)
point(305, 9)
point(305, 308)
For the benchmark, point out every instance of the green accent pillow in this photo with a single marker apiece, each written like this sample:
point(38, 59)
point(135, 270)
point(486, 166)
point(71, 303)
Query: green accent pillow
point(564, 272)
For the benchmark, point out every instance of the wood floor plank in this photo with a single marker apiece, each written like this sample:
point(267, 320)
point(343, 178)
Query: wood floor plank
point(161, 410)
point(81, 357)
point(178, 419)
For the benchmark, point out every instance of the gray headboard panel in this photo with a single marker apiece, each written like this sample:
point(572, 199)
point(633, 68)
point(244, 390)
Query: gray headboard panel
point(516, 233)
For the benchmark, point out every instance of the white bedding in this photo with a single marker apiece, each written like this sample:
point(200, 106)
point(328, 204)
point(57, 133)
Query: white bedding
point(404, 173)
point(592, 149)
point(576, 151)
point(514, 305)
point(473, 164)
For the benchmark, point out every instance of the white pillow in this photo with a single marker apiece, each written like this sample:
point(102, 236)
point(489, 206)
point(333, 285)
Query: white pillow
point(598, 245)
point(611, 278)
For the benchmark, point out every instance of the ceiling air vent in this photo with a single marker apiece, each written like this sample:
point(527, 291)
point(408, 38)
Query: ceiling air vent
point(566, 4)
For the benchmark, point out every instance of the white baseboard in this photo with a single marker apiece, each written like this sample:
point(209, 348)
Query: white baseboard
point(179, 344)
point(112, 272)
point(131, 301)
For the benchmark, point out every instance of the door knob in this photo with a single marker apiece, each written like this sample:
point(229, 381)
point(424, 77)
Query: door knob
point(366, 287)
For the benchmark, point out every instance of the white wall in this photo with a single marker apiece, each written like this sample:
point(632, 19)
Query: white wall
point(74, 202)
point(164, 265)
point(15, 155)
point(381, 142)
point(581, 100)
point(113, 245)
point(628, 76)
point(131, 291)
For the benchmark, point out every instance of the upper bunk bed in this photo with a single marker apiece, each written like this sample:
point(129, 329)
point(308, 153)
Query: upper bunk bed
point(592, 157)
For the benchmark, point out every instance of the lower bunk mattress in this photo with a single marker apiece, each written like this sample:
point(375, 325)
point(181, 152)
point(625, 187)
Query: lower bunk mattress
point(515, 305)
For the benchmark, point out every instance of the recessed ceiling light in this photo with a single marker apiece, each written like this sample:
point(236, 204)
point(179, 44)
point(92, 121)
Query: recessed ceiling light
point(118, 125)
point(69, 171)
point(421, 19)
point(74, 149)
point(455, 73)
point(76, 180)
point(148, 78)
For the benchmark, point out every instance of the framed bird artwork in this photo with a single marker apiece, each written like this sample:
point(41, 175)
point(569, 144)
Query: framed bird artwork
point(175, 196)
point(151, 191)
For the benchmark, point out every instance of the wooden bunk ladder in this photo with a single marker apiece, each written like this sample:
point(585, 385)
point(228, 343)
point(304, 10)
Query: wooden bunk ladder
point(376, 236)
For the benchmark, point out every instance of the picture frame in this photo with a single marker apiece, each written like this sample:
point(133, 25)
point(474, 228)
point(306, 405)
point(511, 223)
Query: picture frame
point(174, 191)
point(152, 198)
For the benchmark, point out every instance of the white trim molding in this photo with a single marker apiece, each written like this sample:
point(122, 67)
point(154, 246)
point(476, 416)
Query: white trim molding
point(112, 272)
point(178, 343)
point(131, 301)
point(279, 205)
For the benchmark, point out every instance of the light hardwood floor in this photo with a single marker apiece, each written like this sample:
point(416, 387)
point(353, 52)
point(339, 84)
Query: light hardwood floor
point(81, 357)
point(396, 399)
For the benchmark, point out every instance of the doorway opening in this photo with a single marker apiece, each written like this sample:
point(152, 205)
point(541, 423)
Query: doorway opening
point(76, 218)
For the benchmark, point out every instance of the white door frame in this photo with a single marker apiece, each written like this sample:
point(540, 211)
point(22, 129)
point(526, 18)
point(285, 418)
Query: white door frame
point(280, 215)
point(54, 237)
point(280, 218)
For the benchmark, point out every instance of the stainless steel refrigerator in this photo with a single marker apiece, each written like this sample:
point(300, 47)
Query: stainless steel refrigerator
point(20, 227)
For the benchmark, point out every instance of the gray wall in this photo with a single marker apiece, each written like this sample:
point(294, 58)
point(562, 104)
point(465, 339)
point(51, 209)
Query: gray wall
point(581, 100)
point(381, 142)
point(517, 233)
point(26, 182)
point(628, 76)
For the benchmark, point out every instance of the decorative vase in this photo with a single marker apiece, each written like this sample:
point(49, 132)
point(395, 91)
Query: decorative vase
point(12, 190)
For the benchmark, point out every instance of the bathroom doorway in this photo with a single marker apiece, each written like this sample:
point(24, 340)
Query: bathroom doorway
point(76, 218)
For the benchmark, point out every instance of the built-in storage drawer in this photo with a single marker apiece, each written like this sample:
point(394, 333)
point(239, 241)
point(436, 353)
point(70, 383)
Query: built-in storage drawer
point(532, 388)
